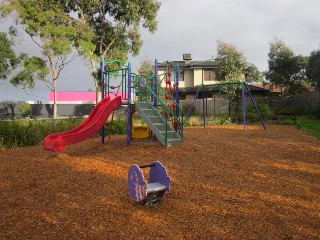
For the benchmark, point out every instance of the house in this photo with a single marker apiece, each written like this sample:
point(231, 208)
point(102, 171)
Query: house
point(196, 73)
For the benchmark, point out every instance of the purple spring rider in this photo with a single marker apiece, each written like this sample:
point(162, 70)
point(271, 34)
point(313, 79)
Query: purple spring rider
point(148, 193)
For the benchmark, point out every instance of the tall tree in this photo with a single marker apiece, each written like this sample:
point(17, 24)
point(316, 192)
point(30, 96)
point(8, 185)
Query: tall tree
point(146, 67)
point(115, 25)
point(313, 69)
point(55, 32)
point(286, 68)
point(252, 74)
point(230, 63)
point(30, 68)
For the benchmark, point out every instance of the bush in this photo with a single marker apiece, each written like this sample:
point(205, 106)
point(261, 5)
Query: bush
point(25, 109)
point(28, 132)
point(118, 126)
point(252, 115)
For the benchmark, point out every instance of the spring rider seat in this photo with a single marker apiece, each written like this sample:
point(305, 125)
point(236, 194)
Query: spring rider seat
point(148, 193)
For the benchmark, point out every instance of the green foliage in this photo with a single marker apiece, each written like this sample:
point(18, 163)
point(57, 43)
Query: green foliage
point(115, 24)
point(24, 132)
point(253, 74)
point(286, 68)
point(252, 115)
point(34, 68)
point(56, 33)
point(118, 126)
point(222, 120)
point(8, 59)
point(310, 125)
point(313, 69)
point(25, 109)
point(146, 67)
point(230, 62)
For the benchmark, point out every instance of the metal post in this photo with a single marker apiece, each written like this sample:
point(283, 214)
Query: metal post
point(203, 107)
point(129, 106)
point(243, 108)
point(177, 90)
point(255, 106)
point(102, 83)
point(191, 106)
point(155, 100)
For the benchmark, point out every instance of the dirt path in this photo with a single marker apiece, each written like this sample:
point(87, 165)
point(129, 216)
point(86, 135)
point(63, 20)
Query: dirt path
point(224, 185)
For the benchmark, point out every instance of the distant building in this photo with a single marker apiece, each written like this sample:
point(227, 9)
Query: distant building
point(196, 73)
point(76, 97)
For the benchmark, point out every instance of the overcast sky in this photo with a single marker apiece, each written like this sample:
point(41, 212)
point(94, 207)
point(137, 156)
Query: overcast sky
point(195, 27)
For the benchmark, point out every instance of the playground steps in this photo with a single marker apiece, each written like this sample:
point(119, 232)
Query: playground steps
point(157, 124)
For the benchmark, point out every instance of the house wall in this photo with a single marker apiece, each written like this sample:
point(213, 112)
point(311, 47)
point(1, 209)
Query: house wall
point(197, 77)
point(188, 78)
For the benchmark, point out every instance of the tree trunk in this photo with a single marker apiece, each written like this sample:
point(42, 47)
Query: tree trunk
point(54, 85)
point(55, 108)
point(95, 79)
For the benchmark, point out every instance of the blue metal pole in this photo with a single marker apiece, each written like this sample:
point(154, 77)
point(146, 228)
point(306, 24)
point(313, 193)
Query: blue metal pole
point(129, 105)
point(204, 108)
point(155, 100)
point(102, 83)
point(255, 106)
point(177, 89)
point(243, 108)
point(191, 106)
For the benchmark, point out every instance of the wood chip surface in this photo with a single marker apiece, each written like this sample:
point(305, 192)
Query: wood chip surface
point(225, 184)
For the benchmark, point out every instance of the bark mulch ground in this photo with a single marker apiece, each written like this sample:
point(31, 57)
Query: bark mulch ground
point(225, 184)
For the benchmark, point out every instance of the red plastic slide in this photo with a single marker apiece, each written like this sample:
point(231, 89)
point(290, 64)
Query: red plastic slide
point(94, 122)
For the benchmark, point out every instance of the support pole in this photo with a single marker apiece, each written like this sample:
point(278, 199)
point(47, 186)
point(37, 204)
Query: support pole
point(255, 106)
point(191, 106)
point(204, 107)
point(102, 93)
point(243, 108)
point(129, 105)
point(155, 100)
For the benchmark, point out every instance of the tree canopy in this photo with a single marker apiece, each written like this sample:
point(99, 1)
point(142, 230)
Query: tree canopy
point(55, 32)
point(9, 60)
point(313, 69)
point(230, 63)
point(115, 26)
point(286, 68)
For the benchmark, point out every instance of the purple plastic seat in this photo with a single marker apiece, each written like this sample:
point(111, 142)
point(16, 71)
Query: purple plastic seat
point(148, 193)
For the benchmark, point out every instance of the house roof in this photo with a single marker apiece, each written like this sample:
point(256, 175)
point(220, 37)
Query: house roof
point(217, 88)
point(211, 63)
point(192, 64)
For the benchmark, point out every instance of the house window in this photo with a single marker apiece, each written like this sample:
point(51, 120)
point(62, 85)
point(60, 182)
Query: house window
point(181, 75)
point(209, 75)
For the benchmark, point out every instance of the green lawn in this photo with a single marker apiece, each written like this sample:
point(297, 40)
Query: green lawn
point(310, 125)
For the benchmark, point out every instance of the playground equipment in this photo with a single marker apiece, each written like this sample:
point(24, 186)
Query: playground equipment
point(148, 193)
point(119, 86)
point(244, 87)
point(144, 95)
point(97, 118)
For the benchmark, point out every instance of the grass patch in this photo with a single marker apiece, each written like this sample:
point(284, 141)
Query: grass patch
point(310, 125)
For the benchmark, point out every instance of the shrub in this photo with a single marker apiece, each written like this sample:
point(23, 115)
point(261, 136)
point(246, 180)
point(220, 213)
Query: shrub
point(28, 132)
point(118, 126)
point(25, 109)
point(252, 115)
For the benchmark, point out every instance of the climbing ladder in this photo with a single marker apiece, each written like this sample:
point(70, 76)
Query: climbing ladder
point(159, 126)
